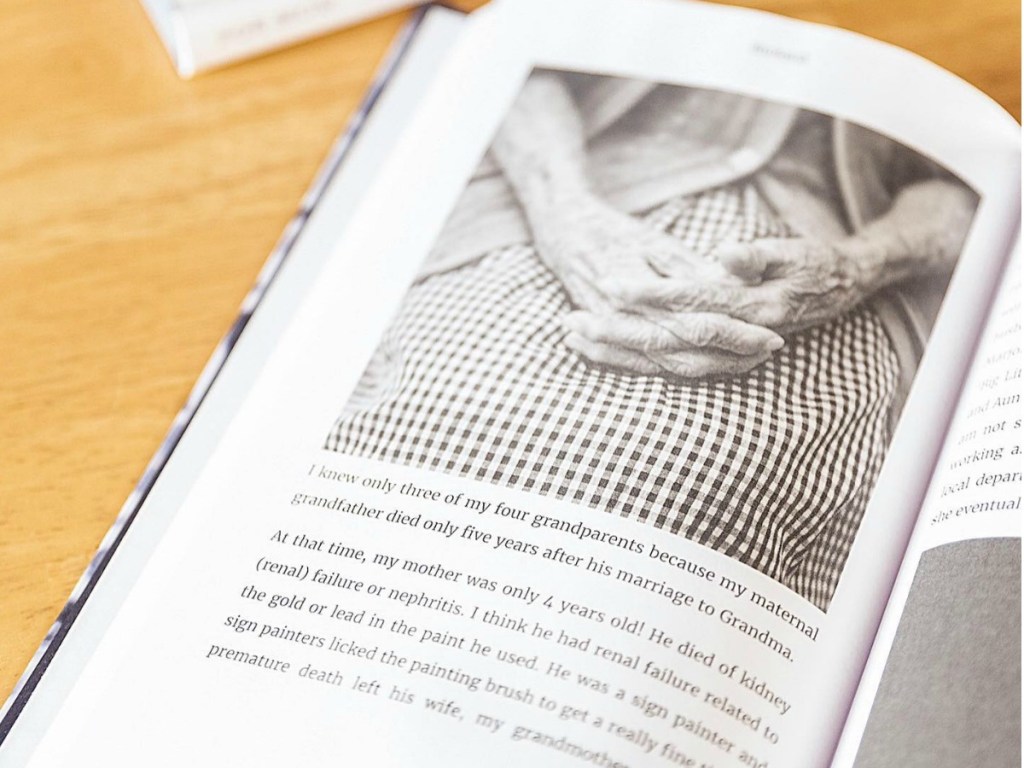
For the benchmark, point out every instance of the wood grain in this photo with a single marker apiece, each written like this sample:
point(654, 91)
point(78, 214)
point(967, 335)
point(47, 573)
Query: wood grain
point(137, 209)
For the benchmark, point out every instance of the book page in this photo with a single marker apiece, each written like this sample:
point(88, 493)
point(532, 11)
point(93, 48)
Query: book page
point(287, 276)
point(942, 687)
point(593, 442)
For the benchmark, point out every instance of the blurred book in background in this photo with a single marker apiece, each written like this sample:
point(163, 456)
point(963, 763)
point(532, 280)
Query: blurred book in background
point(205, 34)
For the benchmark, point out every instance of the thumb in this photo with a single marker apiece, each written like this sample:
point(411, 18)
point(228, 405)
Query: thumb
point(744, 260)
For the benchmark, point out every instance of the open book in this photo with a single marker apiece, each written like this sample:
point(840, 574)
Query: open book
point(639, 386)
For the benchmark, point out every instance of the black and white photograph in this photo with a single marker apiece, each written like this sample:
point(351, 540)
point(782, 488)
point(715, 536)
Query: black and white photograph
point(694, 309)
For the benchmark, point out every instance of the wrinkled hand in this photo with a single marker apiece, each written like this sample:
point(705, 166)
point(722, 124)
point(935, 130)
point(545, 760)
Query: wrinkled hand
point(593, 249)
point(683, 345)
point(784, 284)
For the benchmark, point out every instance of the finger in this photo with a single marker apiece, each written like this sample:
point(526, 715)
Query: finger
point(621, 330)
point(582, 294)
point(707, 329)
point(696, 364)
point(766, 305)
point(611, 356)
point(665, 332)
point(670, 293)
point(691, 364)
point(682, 262)
point(747, 261)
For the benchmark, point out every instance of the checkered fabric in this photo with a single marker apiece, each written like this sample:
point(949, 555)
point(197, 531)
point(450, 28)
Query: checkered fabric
point(772, 468)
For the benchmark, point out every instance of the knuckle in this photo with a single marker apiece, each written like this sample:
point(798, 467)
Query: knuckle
point(657, 340)
point(617, 295)
point(768, 315)
point(702, 334)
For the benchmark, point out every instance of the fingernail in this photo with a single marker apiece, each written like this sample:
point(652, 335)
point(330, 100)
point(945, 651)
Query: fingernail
point(775, 344)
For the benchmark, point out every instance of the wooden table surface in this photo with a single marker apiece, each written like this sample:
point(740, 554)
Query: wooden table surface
point(136, 210)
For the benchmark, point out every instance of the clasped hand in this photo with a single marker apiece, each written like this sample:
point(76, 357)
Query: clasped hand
point(646, 304)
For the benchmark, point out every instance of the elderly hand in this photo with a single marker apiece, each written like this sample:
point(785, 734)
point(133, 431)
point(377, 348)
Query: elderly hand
point(785, 284)
point(684, 345)
point(593, 248)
